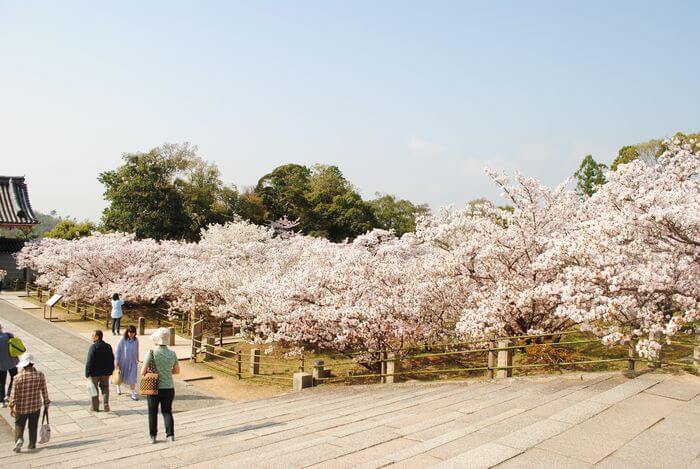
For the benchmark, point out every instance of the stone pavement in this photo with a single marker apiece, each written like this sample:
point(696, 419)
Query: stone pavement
point(572, 420)
point(601, 420)
point(67, 385)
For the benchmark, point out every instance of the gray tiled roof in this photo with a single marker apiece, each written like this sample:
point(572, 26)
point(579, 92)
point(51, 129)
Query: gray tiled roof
point(15, 209)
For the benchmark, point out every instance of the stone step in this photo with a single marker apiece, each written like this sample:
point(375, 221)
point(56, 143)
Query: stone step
point(335, 427)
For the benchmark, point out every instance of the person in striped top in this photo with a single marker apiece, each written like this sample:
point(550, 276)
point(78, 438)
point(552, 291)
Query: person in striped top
point(28, 393)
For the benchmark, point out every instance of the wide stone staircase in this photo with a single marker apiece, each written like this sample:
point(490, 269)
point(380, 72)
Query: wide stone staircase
point(572, 420)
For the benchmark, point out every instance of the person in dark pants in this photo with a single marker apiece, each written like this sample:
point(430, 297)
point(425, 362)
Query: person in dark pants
point(166, 365)
point(8, 365)
point(98, 368)
point(28, 394)
point(117, 313)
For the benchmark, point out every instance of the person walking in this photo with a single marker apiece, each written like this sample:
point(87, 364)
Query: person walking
point(127, 360)
point(117, 313)
point(8, 365)
point(98, 368)
point(28, 394)
point(166, 365)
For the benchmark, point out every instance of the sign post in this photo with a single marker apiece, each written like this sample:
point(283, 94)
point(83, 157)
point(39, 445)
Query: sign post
point(50, 303)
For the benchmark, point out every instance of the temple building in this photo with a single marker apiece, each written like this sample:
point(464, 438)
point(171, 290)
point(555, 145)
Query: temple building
point(15, 213)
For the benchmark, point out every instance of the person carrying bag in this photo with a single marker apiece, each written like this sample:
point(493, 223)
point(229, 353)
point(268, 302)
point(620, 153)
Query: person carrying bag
point(157, 383)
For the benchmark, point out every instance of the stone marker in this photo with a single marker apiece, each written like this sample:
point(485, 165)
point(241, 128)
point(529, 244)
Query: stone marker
point(505, 359)
point(302, 380)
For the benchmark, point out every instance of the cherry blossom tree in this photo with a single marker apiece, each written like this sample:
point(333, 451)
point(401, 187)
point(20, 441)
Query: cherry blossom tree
point(630, 270)
point(496, 251)
point(95, 267)
point(373, 294)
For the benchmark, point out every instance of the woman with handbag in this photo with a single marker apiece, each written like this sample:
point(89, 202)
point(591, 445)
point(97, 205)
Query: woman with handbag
point(127, 361)
point(157, 383)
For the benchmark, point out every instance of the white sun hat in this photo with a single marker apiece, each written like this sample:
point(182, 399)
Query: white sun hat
point(25, 359)
point(161, 336)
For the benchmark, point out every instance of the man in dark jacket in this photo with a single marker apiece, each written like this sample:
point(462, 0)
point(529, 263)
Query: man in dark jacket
point(8, 364)
point(98, 368)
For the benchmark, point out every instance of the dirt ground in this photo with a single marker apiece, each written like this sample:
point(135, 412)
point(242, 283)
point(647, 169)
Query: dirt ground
point(220, 384)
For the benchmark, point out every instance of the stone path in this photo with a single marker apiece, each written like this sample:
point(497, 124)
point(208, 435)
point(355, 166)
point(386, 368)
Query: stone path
point(574, 420)
point(67, 385)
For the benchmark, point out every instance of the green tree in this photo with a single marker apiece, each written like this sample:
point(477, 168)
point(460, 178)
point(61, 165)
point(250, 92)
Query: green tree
point(250, 207)
point(625, 155)
point(649, 151)
point(320, 198)
point(166, 193)
point(337, 210)
point(396, 214)
point(283, 192)
point(71, 229)
point(589, 176)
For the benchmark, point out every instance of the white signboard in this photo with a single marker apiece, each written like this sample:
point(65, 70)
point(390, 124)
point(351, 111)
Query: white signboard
point(54, 299)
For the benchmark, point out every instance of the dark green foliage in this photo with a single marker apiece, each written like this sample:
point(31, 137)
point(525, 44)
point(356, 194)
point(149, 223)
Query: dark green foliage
point(589, 176)
point(397, 214)
point(166, 193)
point(284, 192)
point(321, 199)
point(170, 193)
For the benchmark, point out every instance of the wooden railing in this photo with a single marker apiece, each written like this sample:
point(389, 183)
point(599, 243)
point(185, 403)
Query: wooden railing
point(496, 358)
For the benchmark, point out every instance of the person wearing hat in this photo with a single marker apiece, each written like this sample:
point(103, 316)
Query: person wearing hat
point(166, 365)
point(8, 364)
point(28, 393)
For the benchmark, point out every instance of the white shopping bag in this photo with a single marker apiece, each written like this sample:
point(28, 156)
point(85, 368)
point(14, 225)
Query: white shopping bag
point(91, 389)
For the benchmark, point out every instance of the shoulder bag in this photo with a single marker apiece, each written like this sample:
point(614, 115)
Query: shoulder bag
point(149, 381)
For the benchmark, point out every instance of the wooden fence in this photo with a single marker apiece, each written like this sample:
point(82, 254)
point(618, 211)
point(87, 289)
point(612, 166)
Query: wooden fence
point(496, 358)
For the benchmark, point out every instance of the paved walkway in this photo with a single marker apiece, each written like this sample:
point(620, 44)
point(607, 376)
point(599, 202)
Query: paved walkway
point(573, 420)
point(60, 355)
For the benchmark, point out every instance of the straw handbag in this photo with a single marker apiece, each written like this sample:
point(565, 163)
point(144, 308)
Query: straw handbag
point(149, 381)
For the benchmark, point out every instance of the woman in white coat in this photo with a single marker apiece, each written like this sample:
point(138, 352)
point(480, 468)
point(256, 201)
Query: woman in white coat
point(117, 313)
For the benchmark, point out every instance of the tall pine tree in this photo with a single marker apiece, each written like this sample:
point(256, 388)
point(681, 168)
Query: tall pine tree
point(589, 176)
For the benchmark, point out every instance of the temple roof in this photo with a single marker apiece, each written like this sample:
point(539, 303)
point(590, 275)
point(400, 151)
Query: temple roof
point(15, 209)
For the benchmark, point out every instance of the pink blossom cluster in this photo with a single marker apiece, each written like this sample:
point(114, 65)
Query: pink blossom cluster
point(624, 264)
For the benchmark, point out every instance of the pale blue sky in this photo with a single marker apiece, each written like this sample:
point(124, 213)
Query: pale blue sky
point(411, 98)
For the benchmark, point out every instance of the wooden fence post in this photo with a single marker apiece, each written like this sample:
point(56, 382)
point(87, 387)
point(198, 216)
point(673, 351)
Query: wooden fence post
point(630, 360)
point(142, 325)
point(172, 336)
point(696, 349)
point(255, 361)
point(197, 329)
point(239, 364)
point(491, 357)
point(208, 348)
point(505, 360)
point(392, 367)
point(382, 367)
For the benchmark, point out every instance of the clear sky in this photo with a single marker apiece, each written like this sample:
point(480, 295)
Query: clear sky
point(411, 98)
